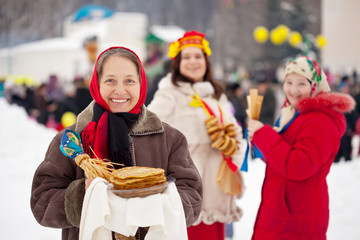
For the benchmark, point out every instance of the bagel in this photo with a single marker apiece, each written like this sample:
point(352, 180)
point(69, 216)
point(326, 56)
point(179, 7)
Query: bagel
point(211, 121)
point(231, 149)
point(233, 152)
point(232, 142)
point(216, 135)
point(231, 133)
point(217, 143)
point(226, 143)
point(214, 129)
point(230, 127)
point(227, 125)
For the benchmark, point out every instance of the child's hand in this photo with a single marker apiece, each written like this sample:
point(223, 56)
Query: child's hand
point(253, 126)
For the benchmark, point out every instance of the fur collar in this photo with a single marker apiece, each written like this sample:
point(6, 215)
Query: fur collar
point(329, 103)
point(147, 123)
point(203, 89)
point(333, 102)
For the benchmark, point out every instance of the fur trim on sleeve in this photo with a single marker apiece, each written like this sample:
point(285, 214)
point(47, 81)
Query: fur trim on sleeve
point(74, 197)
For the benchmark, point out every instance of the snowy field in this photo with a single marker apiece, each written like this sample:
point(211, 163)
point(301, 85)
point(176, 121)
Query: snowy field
point(23, 144)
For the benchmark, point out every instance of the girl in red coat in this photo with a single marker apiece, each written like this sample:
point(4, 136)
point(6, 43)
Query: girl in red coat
point(298, 153)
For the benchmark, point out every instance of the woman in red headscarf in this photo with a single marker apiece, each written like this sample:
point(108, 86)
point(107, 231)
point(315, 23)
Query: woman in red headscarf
point(115, 126)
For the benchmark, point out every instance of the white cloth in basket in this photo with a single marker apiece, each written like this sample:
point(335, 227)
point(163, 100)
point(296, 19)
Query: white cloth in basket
point(103, 212)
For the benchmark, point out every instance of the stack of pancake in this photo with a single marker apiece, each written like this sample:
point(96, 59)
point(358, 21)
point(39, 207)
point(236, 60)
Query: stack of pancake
point(137, 177)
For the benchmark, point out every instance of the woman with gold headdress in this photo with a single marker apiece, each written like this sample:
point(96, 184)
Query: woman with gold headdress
point(298, 153)
point(190, 100)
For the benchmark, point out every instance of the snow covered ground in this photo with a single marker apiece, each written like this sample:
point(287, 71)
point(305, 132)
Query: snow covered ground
point(23, 144)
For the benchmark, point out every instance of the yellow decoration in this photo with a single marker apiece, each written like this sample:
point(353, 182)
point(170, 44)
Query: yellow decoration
point(260, 34)
point(68, 119)
point(206, 47)
point(320, 41)
point(275, 37)
point(284, 30)
point(21, 79)
point(295, 39)
point(279, 34)
point(176, 47)
point(195, 102)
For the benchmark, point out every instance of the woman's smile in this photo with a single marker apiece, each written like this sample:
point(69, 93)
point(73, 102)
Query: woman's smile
point(117, 100)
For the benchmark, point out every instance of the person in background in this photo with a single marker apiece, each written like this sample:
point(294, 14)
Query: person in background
point(267, 113)
point(237, 98)
point(183, 100)
point(40, 109)
point(54, 90)
point(115, 126)
point(18, 95)
point(298, 153)
point(345, 149)
point(66, 106)
point(82, 96)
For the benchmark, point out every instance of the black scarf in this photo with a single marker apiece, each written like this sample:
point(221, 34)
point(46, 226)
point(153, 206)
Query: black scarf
point(118, 138)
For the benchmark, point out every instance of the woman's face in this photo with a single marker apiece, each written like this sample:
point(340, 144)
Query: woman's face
point(193, 64)
point(296, 87)
point(119, 84)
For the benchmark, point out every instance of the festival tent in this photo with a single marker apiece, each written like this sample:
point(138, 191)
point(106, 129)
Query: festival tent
point(167, 34)
point(91, 11)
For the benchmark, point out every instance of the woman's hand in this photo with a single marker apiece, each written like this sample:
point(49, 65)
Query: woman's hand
point(87, 183)
point(253, 126)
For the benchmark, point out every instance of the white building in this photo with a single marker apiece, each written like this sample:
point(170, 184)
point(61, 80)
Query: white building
point(66, 56)
point(340, 27)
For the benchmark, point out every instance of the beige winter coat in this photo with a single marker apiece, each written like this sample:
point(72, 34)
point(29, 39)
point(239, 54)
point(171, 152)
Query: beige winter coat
point(171, 104)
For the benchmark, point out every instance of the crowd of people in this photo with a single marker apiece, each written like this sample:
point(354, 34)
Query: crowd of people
point(47, 102)
point(197, 129)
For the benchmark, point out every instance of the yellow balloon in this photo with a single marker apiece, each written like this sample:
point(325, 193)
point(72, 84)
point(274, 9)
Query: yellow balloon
point(320, 41)
point(68, 119)
point(295, 39)
point(260, 34)
point(284, 32)
point(279, 34)
point(275, 37)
